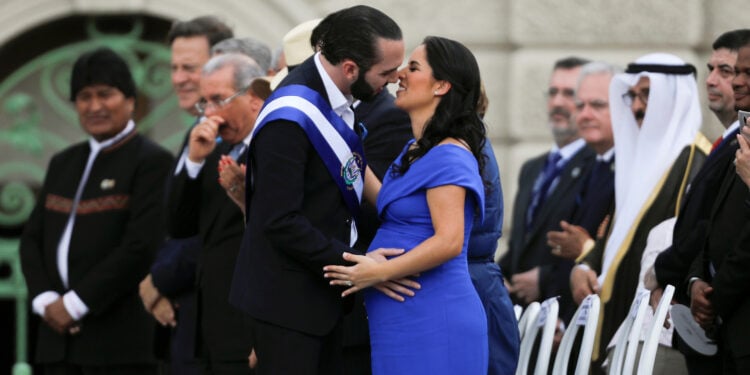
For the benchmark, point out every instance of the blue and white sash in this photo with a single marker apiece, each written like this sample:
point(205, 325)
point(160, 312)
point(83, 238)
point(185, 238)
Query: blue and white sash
point(337, 144)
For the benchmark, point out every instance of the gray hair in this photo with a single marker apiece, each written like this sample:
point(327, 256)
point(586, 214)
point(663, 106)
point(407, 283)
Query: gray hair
point(595, 68)
point(257, 50)
point(244, 68)
point(276, 59)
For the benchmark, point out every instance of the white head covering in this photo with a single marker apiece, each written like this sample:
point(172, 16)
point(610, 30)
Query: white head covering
point(643, 156)
point(297, 48)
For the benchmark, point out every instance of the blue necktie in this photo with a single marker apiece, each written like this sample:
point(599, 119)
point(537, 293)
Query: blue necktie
point(542, 186)
point(237, 151)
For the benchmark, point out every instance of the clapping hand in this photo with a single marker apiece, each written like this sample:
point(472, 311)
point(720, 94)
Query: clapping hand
point(232, 179)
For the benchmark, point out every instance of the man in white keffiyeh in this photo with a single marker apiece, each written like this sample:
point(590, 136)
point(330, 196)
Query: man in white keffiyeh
point(656, 118)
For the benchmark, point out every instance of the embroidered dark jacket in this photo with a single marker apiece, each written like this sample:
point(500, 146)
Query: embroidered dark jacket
point(119, 224)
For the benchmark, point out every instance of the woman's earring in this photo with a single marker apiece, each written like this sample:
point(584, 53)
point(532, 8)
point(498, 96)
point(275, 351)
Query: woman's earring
point(435, 92)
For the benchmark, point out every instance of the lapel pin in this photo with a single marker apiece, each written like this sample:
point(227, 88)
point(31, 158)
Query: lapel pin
point(107, 184)
point(575, 172)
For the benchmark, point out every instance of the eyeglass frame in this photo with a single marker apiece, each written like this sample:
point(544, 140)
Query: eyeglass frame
point(202, 105)
point(629, 97)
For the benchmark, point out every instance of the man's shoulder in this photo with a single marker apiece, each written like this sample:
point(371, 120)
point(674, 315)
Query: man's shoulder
point(69, 152)
point(140, 148)
point(305, 74)
point(584, 155)
point(150, 147)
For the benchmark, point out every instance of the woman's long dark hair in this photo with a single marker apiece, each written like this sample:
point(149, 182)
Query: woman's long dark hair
point(456, 114)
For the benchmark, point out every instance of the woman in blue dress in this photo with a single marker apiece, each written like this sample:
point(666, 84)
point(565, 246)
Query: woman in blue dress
point(427, 205)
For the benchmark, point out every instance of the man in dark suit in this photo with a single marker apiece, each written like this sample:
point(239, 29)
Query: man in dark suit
point(198, 205)
point(547, 190)
point(168, 291)
point(95, 230)
point(689, 234)
point(719, 279)
point(298, 218)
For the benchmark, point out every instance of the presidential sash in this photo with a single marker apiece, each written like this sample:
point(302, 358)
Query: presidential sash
point(337, 144)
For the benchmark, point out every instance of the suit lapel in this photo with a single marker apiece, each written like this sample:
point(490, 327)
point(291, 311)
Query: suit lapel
point(212, 176)
point(575, 169)
point(714, 165)
point(524, 200)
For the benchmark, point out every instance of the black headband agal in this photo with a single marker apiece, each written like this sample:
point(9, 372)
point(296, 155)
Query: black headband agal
point(657, 68)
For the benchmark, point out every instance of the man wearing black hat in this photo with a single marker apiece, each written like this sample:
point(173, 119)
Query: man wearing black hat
point(94, 231)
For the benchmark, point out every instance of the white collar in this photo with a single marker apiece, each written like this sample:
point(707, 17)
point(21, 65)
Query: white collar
point(606, 156)
point(339, 102)
point(731, 129)
point(96, 145)
point(567, 151)
point(249, 136)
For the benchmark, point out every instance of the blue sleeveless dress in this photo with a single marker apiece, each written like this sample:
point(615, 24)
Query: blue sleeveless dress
point(443, 328)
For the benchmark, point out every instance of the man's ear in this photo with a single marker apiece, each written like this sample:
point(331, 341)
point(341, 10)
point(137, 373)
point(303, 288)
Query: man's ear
point(130, 102)
point(256, 103)
point(350, 69)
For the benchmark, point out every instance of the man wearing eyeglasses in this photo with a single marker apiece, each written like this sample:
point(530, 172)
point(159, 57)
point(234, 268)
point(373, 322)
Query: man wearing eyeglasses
point(198, 205)
point(656, 118)
point(547, 187)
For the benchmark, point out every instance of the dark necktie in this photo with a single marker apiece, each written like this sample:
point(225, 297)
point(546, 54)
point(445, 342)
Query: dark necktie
point(552, 169)
point(599, 172)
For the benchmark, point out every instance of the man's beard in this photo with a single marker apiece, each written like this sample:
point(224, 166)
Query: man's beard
point(362, 90)
point(563, 134)
point(639, 115)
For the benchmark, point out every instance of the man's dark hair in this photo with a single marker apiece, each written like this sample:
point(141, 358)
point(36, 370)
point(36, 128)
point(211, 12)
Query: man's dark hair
point(211, 27)
point(570, 62)
point(101, 66)
point(732, 40)
point(352, 33)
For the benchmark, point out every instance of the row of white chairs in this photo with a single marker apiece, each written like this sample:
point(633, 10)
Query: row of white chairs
point(543, 316)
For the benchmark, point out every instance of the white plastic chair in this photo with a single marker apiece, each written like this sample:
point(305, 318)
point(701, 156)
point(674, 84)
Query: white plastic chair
point(629, 331)
point(518, 310)
point(651, 344)
point(528, 318)
point(546, 319)
point(587, 316)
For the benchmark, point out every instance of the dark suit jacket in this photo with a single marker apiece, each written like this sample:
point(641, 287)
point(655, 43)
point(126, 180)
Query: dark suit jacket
point(727, 248)
point(529, 249)
point(116, 233)
point(597, 198)
point(673, 264)
point(297, 223)
point(201, 207)
point(173, 274)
